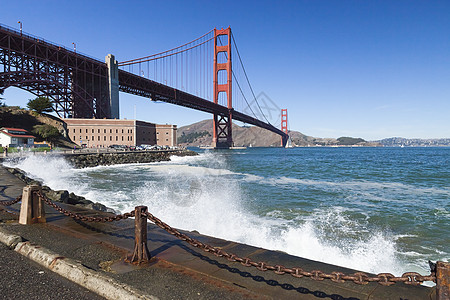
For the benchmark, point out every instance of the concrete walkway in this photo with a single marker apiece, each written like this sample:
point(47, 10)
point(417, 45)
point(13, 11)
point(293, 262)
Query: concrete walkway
point(178, 270)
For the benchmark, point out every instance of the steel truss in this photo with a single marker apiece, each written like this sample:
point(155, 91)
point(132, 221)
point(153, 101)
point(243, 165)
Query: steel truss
point(76, 84)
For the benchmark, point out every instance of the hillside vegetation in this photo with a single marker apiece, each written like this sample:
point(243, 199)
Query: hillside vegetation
point(15, 117)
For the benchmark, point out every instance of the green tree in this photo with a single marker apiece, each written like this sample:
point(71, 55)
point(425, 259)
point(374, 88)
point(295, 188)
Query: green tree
point(46, 132)
point(40, 104)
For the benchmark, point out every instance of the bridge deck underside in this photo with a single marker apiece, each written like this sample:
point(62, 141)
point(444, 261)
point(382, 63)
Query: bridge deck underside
point(137, 85)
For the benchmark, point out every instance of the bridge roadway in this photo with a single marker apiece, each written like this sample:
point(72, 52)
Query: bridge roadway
point(42, 67)
point(181, 271)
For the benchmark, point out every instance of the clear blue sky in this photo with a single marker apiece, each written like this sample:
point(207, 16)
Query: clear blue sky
point(370, 69)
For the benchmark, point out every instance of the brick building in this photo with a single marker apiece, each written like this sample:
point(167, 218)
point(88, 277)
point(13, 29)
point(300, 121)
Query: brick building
point(107, 132)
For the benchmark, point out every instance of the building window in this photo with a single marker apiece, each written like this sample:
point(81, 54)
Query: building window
point(110, 130)
point(98, 130)
point(92, 130)
point(117, 138)
point(86, 137)
point(122, 130)
point(74, 138)
point(104, 138)
point(167, 133)
point(74, 130)
point(117, 131)
point(122, 137)
point(167, 140)
point(93, 138)
point(80, 130)
point(86, 130)
point(98, 138)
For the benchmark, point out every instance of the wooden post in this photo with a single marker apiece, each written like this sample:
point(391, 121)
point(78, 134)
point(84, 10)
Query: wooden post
point(141, 253)
point(442, 280)
point(32, 208)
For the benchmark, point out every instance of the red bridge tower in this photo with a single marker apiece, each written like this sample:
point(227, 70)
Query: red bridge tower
point(284, 127)
point(222, 123)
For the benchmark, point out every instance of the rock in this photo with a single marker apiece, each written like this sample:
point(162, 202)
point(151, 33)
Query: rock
point(96, 206)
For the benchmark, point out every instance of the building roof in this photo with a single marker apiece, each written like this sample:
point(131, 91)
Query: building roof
point(13, 129)
point(2, 130)
point(17, 135)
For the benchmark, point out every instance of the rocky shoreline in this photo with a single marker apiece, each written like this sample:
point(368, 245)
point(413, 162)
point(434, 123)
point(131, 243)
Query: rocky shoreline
point(87, 160)
point(60, 195)
point(84, 160)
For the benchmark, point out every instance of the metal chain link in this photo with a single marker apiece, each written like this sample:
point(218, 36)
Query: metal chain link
point(81, 217)
point(386, 279)
point(11, 202)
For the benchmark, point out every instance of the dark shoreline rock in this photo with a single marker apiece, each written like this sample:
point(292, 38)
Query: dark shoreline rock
point(60, 195)
point(87, 160)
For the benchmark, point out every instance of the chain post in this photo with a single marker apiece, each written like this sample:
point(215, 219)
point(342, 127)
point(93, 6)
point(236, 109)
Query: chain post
point(32, 207)
point(442, 280)
point(141, 253)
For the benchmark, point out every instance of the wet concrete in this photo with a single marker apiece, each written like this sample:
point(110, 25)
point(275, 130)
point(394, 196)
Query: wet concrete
point(181, 271)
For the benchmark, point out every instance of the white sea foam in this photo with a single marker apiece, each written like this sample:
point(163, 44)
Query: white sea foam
point(206, 197)
point(364, 185)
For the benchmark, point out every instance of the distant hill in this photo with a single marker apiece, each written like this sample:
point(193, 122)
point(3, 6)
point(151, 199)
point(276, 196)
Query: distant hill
point(200, 134)
point(403, 142)
point(15, 117)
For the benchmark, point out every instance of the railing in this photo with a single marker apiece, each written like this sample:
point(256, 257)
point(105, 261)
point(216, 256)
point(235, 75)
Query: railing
point(32, 211)
point(46, 42)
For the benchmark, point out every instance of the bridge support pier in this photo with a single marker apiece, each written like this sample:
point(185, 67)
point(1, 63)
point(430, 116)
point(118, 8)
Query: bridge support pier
point(223, 128)
point(113, 85)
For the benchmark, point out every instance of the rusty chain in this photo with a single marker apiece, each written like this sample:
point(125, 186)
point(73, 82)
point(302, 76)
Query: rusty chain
point(386, 279)
point(410, 278)
point(11, 202)
point(81, 217)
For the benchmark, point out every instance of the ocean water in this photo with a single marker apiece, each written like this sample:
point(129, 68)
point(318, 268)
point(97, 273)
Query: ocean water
point(371, 209)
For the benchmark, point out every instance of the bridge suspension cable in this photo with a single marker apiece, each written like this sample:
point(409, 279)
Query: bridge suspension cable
point(189, 68)
point(248, 81)
point(137, 60)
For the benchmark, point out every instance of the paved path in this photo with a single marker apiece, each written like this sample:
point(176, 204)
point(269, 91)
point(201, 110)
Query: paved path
point(24, 279)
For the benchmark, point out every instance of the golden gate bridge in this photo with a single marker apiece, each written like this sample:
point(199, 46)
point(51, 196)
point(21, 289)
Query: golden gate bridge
point(197, 75)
